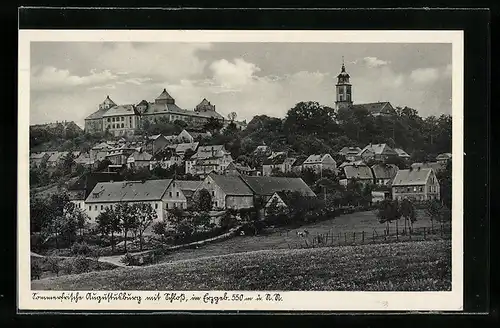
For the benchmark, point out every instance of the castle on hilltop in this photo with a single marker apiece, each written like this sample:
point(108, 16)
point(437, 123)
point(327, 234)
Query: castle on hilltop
point(344, 98)
point(125, 119)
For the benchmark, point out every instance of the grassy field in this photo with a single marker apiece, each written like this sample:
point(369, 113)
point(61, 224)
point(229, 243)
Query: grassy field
point(280, 239)
point(413, 266)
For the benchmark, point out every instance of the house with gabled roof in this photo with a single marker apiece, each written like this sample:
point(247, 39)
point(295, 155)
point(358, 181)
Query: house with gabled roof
point(419, 184)
point(210, 158)
point(139, 159)
point(180, 194)
point(165, 159)
point(227, 192)
point(280, 162)
point(297, 165)
point(378, 152)
point(156, 143)
point(350, 153)
point(186, 136)
point(383, 174)
point(436, 166)
point(38, 159)
point(443, 158)
point(320, 162)
point(357, 173)
point(401, 153)
point(56, 158)
point(109, 194)
point(264, 187)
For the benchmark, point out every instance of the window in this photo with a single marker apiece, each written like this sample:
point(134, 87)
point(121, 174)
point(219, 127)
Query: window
point(414, 189)
point(177, 194)
point(156, 206)
point(101, 207)
point(113, 119)
point(90, 208)
point(113, 126)
point(95, 208)
point(341, 97)
point(170, 194)
point(216, 203)
point(175, 205)
point(123, 125)
point(109, 120)
point(123, 118)
point(213, 193)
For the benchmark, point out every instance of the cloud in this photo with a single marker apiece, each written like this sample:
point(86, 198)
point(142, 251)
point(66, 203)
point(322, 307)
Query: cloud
point(233, 74)
point(50, 78)
point(424, 75)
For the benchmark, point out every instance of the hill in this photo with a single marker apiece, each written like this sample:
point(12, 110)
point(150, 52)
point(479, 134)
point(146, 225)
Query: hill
point(414, 266)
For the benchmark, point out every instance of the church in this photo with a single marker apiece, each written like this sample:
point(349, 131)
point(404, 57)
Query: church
point(344, 98)
point(125, 119)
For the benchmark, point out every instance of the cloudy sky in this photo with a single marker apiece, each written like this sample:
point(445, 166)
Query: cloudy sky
point(70, 79)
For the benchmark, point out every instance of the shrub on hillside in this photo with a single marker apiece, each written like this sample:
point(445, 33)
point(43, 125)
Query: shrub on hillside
point(81, 249)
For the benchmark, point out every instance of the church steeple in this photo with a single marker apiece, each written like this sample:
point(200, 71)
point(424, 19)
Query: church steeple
point(343, 89)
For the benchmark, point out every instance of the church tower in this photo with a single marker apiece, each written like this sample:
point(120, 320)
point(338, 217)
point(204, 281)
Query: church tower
point(343, 89)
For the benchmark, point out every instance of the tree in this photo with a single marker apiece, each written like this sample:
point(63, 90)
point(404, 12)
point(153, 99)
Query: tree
point(310, 118)
point(276, 213)
point(181, 223)
point(127, 215)
point(109, 223)
point(146, 214)
point(388, 211)
point(160, 229)
point(437, 211)
point(407, 210)
point(213, 125)
point(232, 116)
point(203, 200)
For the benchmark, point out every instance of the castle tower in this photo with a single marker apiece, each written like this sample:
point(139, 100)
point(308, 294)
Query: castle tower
point(107, 104)
point(164, 98)
point(343, 89)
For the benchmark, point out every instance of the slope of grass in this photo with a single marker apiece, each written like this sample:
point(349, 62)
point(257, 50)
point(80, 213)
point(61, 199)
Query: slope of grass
point(411, 266)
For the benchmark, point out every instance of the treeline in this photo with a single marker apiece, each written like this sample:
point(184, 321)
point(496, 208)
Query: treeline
point(311, 128)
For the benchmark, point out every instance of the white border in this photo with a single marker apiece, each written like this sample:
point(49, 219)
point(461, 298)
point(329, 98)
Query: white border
point(304, 301)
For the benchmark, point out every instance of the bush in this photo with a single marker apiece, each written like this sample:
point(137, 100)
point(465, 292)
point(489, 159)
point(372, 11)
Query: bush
point(80, 265)
point(138, 260)
point(81, 249)
point(36, 270)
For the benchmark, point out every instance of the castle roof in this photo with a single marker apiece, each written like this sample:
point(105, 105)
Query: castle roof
point(381, 107)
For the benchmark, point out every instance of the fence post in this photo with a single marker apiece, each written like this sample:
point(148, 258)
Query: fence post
point(363, 236)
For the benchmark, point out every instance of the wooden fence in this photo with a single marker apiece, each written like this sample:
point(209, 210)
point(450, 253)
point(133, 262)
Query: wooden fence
point(338, 238)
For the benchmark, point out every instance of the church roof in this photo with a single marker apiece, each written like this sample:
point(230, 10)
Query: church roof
point(381, 107)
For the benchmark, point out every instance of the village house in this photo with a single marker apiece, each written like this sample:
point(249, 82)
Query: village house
point(355, 163)
point(320, 163)
point(121, 120)
point(139, 159)
point(56, 158)
point(350, 153)
point(436, 166)
point(357, 173)
point(228, 192)
point(165, 159)
point(109, 194)
point(378, 196)
point(383, 174)
point(182, 148)
point(263, 187)
point(119, 156)
point(262, 150)
point(280, 162)
point(156, 143)
point(38, 159)
point(401, 153)
point(297, 165)
point(180, 193)
point(207, 159)
point(81, 188)
point(279, 198)
point(84, 159)
point(191, 136)
point(231, 170)
point(378, 152)
point(99, 151)
point(418, 184)
point(443, 158)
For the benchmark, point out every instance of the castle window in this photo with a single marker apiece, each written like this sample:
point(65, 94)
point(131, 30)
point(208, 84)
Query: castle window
point(113, 119)
point(341, 97)
point(123, 125)
point(123, 118)
point(109, 120)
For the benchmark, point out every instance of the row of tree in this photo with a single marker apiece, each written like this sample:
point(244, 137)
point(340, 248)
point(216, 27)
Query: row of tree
point(125, 218)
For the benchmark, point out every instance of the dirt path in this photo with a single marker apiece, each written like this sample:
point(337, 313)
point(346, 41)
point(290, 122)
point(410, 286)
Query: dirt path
point(115, 259)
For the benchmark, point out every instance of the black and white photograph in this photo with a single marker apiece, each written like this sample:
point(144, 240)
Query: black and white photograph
point(188, 163)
